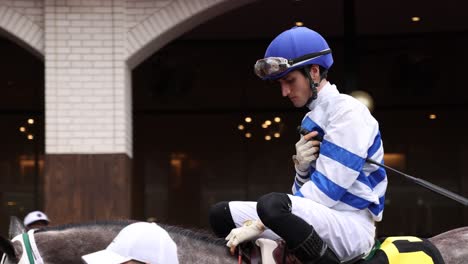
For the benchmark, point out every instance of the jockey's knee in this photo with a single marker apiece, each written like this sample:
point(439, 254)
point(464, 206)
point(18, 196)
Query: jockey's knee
point(273, 206)
point(221, 219)
point(314, 250)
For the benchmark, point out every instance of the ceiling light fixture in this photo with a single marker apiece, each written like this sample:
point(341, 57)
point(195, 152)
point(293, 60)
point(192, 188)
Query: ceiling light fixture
point(415, 19)
point(299, 23)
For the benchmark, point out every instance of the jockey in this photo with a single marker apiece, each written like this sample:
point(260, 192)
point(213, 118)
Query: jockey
point(336, 196)
point(137, 243)
point(36, 219)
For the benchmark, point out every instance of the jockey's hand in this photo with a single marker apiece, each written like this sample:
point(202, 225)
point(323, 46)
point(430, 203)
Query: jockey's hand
point(307, 150)
point(248, 231)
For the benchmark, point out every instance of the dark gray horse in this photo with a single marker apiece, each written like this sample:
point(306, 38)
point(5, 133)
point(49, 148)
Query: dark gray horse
point(66, 244)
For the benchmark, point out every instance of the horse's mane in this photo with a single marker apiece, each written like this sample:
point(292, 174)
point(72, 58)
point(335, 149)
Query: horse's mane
point(191, 233)
point(197, 234)
point(111, 224)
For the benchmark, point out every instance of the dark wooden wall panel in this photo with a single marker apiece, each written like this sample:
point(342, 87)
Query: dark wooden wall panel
point(83, 187)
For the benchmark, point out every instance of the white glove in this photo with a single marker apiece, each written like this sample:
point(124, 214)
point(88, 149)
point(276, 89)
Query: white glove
point(306, 152)
point(248, 231)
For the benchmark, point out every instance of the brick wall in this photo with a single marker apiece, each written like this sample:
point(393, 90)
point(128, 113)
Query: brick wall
point(86, 108)
point(89, 48)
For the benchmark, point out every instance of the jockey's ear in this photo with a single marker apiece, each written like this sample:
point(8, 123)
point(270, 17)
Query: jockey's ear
point(6, 247)
point(16, 227)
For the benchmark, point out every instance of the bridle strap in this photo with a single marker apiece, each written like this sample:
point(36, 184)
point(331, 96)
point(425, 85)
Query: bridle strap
point(28, 248)
point(35, 250)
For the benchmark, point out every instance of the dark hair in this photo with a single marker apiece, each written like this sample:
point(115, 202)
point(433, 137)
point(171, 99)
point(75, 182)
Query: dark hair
point(323, 72)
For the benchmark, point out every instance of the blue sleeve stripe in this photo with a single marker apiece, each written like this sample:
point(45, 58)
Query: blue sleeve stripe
point(355, 201)
point(298, 193)
point(375, 146)
point(341, 155)
point(364, 179)
point(377, 208)
point(373, 179)
point(328, 187)
point(310, 125)
point(377, 177)
point(297, 184)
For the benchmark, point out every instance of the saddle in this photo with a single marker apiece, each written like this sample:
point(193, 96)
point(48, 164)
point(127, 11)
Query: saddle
point(267, 251)
point(390, 250)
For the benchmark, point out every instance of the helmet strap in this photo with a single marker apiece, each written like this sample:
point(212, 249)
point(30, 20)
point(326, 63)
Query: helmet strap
point(313, 86)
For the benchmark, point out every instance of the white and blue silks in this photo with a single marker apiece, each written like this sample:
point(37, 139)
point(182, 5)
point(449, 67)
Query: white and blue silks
point(340, 178)
point(342, 195)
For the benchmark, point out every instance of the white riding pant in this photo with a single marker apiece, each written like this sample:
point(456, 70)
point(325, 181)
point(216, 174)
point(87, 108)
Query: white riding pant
point(347, 233)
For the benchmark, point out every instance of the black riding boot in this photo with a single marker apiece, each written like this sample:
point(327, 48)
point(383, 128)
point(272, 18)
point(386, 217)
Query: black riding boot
point(274, 209)
point(314, 251)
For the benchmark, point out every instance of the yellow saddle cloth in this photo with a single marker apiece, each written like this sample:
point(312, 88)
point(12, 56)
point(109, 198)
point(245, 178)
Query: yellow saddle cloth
point(406, 250)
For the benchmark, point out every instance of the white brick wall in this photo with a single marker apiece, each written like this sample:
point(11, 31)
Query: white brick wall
point(18, 24)
point(139, 10)
point(88, 46)
point(86, 108)
point(32, 9)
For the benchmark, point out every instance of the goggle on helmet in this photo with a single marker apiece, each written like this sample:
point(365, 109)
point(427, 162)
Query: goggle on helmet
point(270, 67)
point(293, 49)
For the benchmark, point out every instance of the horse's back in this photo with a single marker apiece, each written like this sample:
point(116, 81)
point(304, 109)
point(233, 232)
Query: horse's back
point(453, 245)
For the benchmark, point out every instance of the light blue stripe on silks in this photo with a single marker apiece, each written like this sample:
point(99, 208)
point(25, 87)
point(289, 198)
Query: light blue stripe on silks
point(328, 187)
point(310, 125)
point(341, 155)
point(375, 146)
point(377, 208)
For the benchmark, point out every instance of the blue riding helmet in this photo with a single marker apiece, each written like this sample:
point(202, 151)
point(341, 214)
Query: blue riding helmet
point(299, 42)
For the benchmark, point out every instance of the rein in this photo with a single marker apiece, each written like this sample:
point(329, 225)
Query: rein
point(29, 245)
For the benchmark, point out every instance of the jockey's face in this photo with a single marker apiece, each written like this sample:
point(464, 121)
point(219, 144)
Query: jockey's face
point(296, 87)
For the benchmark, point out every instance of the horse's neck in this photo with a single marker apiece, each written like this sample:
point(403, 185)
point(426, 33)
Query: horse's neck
point(199, 247)
point(67, 246)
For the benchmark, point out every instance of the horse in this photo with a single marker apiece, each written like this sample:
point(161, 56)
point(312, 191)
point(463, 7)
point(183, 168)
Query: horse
point(67, 243)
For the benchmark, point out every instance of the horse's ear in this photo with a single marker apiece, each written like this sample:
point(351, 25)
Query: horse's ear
point(7, 247)
point(16, 227)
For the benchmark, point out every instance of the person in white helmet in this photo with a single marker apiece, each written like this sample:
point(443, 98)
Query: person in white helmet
point(36, 219)
point(336, 196)
point(140, 242)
